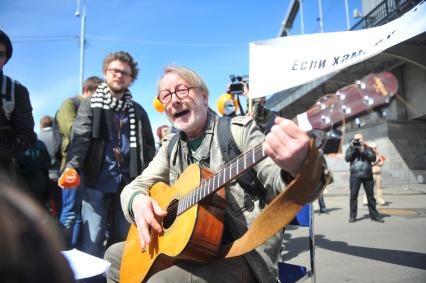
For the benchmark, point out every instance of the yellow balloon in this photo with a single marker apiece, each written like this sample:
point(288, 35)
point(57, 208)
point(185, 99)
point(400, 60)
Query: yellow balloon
point(227, 104)
point(158, 105)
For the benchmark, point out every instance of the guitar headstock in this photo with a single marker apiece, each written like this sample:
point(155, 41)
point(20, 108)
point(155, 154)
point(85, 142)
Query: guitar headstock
point(372, 91)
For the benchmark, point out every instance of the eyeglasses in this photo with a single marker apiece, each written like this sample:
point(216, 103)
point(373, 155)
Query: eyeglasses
point(181, 91)
point(2, 54)
point(115, 72)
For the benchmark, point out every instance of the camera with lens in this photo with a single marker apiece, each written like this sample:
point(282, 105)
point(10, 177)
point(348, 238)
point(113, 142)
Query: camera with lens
point(236, 86)
point(356, 143)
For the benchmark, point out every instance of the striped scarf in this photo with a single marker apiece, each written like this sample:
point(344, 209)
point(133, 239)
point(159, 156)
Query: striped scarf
point(103, 103)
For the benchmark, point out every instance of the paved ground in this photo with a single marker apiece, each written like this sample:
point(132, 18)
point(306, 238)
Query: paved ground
point(366, 251)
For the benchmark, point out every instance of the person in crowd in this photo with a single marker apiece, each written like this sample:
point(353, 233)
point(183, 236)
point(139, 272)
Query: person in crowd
point(377, 176)
point(185, 98)
point(162, 133)
point(16, 118)
point(112, 143)
point(360, 156)
point(228, 105)
point(70, 217)
point(32, 171)
point(47, 136)
point(30, 242)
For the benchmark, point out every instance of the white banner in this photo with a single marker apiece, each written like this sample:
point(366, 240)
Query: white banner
point(285, 62)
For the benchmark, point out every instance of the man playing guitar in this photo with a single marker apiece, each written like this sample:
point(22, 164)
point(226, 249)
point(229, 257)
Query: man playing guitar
point(184, 96)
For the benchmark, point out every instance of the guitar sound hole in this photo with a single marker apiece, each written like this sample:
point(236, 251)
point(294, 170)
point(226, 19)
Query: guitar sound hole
point(171, 214)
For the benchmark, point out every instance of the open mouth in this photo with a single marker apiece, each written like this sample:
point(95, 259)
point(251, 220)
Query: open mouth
point(182, 113)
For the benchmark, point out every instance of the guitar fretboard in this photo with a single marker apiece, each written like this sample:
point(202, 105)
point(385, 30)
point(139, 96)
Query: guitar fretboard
point(227, 173)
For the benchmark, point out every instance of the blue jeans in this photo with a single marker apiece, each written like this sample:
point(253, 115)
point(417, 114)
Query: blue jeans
point(70, 217)
point(103, 220)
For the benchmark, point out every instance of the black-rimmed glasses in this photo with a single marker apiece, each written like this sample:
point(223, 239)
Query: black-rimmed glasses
point(2, 54)
point(115, 72)
point(181, 91)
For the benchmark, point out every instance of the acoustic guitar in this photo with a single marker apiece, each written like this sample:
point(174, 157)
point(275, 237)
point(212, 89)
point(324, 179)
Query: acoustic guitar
point(196, 203)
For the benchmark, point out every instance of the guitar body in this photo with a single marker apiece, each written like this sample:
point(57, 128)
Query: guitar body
point(194, 235)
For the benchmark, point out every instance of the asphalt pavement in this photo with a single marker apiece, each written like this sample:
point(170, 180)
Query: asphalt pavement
point(365, 251)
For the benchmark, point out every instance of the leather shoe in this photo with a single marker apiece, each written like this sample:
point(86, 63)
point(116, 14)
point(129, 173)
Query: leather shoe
point(352, 220)
point(377, 219)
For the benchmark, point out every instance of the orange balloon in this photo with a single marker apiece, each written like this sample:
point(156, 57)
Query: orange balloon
point(69, 179)
point(158, 105)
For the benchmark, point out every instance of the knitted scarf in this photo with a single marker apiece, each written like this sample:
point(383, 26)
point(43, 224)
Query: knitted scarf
point(103, 103)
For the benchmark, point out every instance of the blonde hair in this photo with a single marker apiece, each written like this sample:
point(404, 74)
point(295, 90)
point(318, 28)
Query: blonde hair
point(188, 75)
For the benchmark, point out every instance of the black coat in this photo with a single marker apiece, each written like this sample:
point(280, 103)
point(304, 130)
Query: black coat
point(16, 134)
point(360, 161)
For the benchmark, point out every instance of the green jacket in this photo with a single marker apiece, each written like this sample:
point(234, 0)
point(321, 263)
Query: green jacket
point(65, 118)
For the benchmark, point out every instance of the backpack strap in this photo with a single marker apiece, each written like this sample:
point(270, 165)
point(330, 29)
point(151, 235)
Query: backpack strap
point(248, 181)
point(8, 97)
point(172, 142)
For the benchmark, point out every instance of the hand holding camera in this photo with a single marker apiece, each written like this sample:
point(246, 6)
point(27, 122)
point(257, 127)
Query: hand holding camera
point(357, 143)
point(238, 85)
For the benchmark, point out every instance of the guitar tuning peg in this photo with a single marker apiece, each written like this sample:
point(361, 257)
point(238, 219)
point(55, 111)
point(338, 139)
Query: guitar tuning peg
point(340, 95)
point(325, 120)
point(368, 100)
point(346, 110)
point(360, 84)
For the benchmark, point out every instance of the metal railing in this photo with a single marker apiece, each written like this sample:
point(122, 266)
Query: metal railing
point(386, 11)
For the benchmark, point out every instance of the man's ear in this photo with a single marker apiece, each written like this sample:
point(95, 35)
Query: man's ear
point(206, 98)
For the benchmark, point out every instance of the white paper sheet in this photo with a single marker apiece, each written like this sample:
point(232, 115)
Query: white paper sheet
point(84, 265)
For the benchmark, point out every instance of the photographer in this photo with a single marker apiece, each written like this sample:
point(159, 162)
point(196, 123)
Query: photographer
point(360, 156)
point(229, 104)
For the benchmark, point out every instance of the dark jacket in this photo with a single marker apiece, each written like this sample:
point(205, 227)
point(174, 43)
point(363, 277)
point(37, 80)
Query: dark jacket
point(47, 136)
point(16, 134)
point(360, 161)
point(32, 166)
point(86, 154)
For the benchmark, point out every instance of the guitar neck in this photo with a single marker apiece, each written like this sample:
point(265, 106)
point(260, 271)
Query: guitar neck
point(371, 91)
point(227, 173)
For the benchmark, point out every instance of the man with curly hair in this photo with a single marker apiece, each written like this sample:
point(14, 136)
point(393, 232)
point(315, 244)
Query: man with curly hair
point(112, 142)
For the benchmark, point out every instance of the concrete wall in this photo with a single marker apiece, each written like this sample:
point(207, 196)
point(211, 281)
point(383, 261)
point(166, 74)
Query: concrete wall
point(415, 90)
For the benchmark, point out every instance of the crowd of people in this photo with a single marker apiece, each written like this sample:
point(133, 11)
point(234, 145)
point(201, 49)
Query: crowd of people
point(94, 161)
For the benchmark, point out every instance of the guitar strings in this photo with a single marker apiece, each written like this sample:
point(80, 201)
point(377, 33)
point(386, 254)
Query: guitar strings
point(237, 162)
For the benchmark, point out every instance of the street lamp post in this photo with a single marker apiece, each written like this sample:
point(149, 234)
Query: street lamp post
point(348, 25)
point(302, 24)
point(321, 23)
point(82, 38)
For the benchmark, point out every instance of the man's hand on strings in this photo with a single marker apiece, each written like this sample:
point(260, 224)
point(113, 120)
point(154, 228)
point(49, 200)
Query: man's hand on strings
point(147, 212)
